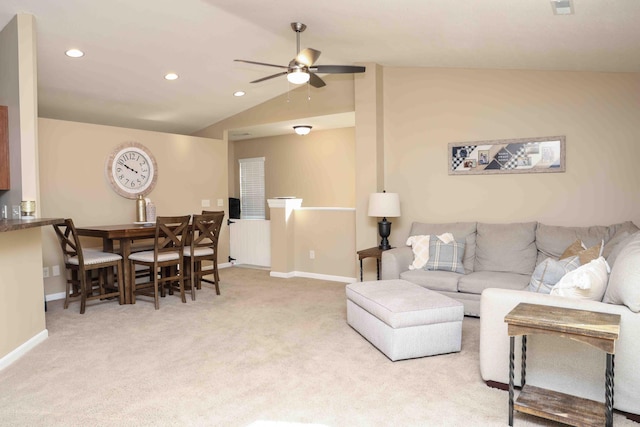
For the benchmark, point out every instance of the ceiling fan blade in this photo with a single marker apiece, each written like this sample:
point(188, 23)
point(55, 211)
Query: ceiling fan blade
point(269, 77)
point(316, 81)
point(261, 63)
point(337, 69)
point(308, 56)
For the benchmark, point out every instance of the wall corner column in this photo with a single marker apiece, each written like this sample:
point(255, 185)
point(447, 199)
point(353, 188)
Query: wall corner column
point(283, 236)
point(369, 112)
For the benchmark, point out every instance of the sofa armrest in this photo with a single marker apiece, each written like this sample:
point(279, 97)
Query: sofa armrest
point(395, 261)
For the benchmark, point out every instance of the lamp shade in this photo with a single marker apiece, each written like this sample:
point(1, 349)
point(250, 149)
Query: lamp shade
point(384, 204)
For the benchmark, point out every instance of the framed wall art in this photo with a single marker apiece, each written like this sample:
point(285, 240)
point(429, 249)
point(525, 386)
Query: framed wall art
point(525, 155)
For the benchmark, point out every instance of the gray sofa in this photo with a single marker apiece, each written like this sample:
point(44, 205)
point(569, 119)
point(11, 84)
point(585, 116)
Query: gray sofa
point(495, 255)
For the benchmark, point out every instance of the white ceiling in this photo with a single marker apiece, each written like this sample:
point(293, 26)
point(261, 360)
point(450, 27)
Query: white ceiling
point(130, 45)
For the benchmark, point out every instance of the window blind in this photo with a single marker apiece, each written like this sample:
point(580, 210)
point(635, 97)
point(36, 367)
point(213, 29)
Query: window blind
point(252, 198)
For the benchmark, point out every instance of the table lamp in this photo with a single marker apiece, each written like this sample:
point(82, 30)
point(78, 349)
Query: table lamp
point(384, 205)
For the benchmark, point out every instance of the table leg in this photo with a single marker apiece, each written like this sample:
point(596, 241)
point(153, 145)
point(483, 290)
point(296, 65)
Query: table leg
point(378, 268)
point(523, 372)
point(361, 269)
point(125, 251)
point(512, 341)
point(609, 391)
point(107, 246)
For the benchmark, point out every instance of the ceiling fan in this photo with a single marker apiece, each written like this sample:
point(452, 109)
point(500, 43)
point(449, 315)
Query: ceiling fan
point(301, 69)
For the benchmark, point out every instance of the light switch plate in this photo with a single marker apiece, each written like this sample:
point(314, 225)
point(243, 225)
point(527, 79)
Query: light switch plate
point(220, 203)
point(206, 203)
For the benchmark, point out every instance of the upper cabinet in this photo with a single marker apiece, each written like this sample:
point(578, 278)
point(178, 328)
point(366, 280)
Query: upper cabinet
point(5, 182)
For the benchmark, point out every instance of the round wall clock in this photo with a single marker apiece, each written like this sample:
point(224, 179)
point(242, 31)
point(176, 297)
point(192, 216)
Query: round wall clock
point(131, 170)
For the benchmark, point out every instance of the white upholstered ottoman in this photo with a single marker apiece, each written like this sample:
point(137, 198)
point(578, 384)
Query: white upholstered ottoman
point(404, 320)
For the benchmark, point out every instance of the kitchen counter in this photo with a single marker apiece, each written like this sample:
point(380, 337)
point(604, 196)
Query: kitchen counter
point(22, 224)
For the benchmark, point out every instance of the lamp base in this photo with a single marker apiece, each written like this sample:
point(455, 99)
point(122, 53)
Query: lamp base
point(384, 229)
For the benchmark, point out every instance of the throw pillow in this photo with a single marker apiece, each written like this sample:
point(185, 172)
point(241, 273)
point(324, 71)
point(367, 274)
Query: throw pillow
point(445, 256)
point(624, 283)
point(573, 249)
point(420, 247)
point(550, 271)
point(613, 255)
point(586, 255)
point(588, 281)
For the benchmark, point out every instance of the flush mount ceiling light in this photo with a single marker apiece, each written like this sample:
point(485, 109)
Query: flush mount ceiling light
point(297, 76)
point(302, 129)
point(74, 53)
point(562, 7)
point(171, 76)
point(238, 93)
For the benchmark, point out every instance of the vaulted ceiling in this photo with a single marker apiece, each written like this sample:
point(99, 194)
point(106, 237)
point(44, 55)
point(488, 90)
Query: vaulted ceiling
point(130, 45)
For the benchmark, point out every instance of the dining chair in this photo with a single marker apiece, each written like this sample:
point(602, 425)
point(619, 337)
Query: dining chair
point(215, 264)
point(205, 230)
point(80, 263)
point(165, 261)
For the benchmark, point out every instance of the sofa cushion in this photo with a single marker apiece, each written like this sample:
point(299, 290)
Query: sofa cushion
point(508, 248)
point(588, 281)
point(445, 256)
point(478, 281)
point(460, 230)
point(550, 271)
point(624, 281)
point(613, 255)
point(615, 231)
point(552, 240)
point(435, 280)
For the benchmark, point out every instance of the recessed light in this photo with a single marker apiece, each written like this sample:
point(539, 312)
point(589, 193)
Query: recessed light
point(171, 76)
point(74, 53)
point(238, 93)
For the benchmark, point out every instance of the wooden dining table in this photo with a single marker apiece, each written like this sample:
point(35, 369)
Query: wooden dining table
point(125, 234)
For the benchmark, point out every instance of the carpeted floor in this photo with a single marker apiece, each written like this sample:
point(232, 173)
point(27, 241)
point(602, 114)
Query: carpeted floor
point(267, 352)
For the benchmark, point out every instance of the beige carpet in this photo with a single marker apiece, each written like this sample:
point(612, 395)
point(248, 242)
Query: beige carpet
point(267, 352)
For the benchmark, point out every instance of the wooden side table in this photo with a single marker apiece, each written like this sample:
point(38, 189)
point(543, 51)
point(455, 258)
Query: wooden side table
point(374, 252)
point(600, 330)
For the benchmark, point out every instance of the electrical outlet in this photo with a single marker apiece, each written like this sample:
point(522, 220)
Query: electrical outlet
point(55, 270)
point(45, 272)
point(312, 254)
point(220, 203)
point(206, 203)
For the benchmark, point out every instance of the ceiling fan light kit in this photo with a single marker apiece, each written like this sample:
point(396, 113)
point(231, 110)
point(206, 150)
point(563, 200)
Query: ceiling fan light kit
point(302, 129)
point(302, 68)
point(297, 76)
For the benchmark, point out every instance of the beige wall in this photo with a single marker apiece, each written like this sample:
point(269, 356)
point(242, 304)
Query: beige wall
point(317, 168)
point(425, 109)
point(73, 182)
point(331, 235)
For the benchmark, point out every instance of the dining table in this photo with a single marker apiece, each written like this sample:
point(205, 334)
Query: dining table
point(125, 235)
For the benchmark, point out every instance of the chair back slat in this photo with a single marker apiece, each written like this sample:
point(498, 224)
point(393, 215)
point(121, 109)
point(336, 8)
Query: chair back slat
point(69, 241)
point(206, 229)
point(171, 232)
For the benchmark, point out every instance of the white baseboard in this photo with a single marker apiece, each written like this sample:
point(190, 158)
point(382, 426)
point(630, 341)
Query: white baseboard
point(53, 297)
point(327, 277)
point(288, 275)
point(23, 349)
